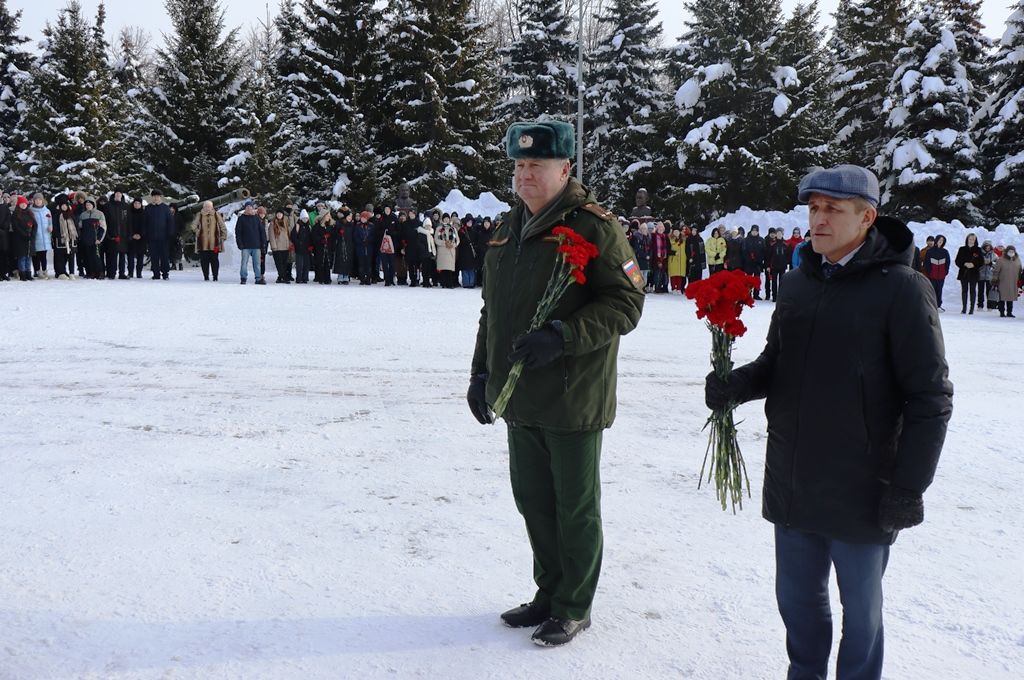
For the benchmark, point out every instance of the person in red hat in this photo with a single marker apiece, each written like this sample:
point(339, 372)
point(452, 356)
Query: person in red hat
point(23, 233)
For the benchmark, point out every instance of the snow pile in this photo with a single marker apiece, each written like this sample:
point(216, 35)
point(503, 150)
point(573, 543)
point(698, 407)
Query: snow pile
point(487, 204)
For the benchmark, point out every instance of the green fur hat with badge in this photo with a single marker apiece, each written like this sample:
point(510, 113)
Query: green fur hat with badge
point(547, 139)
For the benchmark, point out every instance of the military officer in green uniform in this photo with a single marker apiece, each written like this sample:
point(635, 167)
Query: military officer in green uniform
point(566, 395)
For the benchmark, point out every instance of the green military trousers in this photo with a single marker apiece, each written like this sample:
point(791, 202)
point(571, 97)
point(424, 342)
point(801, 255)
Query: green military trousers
point(557, 487)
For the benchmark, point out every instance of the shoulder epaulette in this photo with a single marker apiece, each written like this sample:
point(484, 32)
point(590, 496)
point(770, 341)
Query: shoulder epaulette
point(595, 209)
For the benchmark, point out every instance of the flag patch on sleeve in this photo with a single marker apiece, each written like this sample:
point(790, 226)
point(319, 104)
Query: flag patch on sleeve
point(633, 273)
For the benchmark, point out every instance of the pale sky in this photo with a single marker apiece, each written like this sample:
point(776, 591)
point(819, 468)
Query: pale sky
point(150, 14)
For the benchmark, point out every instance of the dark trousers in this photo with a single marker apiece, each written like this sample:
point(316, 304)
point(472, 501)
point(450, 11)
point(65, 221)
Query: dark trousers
point(937, 287)
point(429, 271)
point(803, 563)
point(557, 488)
point(60, 262)
point(160, 257)
point(401, 269)
point(136, 259)
point(387, 264)
point(365, 269)
point(93, 266)
point(771, 284)
point(116, 263)
point(1005, 308)
point(209, 262)
point(414, 272)
point(982, 292)
point(39, 261)
point(284, 270)
point(969, 289)
point(301, 267)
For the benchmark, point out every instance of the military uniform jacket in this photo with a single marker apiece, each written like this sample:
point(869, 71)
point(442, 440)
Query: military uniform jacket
point(576, 392)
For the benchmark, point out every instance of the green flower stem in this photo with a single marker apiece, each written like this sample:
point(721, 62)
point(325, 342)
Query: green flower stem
point(727, 468)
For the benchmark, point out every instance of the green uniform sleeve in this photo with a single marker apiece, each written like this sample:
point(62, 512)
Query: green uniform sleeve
point(479, 365)
point(616, 305)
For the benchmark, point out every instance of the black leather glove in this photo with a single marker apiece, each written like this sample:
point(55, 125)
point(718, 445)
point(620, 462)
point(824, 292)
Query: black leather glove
point(900, 509)
point(540, 347)
point(477, 398)
point(720, 393)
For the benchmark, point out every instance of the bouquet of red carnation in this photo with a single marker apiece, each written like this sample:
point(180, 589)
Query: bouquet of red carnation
point(720, 301)
point(574, 252)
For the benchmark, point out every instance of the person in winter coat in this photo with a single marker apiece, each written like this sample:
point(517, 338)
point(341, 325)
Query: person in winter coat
point(323, 230)
point(465, 254)
point(733, 251)
point(177, 243)
point(795, 239)
point(752, 252)
point(660, 253)
point(677, 260)
point(363, 243)
point(280, 245)
point(65, 239)
point(716, 249)
point(211, 233)
point(250, 237)
point(425, 250)
point(302, 242)
point(778, 259)
point(696, 256)
point(115, 246)
point(929, 242)
point(936, 267)
point(988, 260)
point(1006, 279)
point(5, 238)
point(43, 234)
point(92, 230)
point(641, 244)
point(159, 232)
point(403, 233)
point(344, 247)
point(798, 251)
point(23, 236)
point(446, 241)
point(137, 239)
point(483, 238)
point(858, 401)
point(387, 248)
point(970, 260)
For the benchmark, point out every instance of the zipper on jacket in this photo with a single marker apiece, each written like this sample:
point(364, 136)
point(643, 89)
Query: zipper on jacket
point(796, 443)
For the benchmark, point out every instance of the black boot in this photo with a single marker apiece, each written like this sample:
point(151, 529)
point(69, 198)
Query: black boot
point(526, 615)
point(555, 632)
point(1009, 310)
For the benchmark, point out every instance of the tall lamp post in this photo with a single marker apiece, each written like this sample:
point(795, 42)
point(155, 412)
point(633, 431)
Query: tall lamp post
point(579, 102)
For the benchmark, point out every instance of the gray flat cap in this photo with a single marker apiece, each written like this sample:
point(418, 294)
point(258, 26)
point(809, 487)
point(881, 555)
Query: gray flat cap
point(842, 181)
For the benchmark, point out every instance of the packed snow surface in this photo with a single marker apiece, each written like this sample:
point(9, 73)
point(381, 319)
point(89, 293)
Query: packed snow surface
point(205, 480)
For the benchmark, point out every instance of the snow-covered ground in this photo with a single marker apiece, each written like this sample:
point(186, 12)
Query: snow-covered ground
point(215, 481)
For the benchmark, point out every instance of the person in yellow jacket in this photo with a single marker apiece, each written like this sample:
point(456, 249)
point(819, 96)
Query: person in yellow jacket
point(715, 249)
point(677, 260)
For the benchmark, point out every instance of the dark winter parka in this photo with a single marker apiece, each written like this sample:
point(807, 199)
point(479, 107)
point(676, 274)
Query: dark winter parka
point(465, 252)
point(575, 393)
point(363, 239)
point(302, 237)
point(936, 261)
point(137, 227)
point(778, 258)
point(249, 233)
point(753, 254)
point(858, 397)
point(159, 223)
point(734, 253)
point(118, 228)
point(696, 258)
point(23, 232)
point(641, 244)
point(969, 255)
point(5, 228)
point(344, 250)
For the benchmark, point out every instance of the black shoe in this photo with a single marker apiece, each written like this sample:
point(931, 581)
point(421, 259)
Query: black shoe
point(260, 282)
point(243, 282)
point(1010, 315)
point(166, 277)
point(122, 277)
point(555, 632)
point(526, 615)
point(156, 277)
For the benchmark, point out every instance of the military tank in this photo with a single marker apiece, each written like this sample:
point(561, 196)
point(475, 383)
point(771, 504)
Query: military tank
point(188, 209)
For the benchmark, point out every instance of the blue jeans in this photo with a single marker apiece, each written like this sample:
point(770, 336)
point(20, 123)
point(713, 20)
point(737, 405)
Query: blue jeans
point(468, 278)
point(254, 253)
point(25, 264)
point(802, 565)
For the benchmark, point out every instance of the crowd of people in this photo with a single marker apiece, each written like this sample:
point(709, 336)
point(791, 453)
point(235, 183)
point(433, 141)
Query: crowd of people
point(110, 237)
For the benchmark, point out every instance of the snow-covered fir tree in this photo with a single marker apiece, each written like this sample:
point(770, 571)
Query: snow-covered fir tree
point(198, 76)
point(1001, 125)
point(67, 135)
point(15, 67)
point(438, 94)
point(726, 113)
point(974, 46)
point(539, 66)
point(128, 97)
point(256, 162)
point(805, 132)
point(928, 168)
point(329, 50)
point(624, 101)
point(868, 34)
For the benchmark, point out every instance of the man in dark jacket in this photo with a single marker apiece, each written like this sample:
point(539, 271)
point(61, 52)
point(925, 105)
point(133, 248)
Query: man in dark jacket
point(5, 240)
point(137, 239)
point(251, 238)
point(116, 244)
point(777, 260)
point(752, 252)
point(565, 397)
point(159, 231)
point(858, 399)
